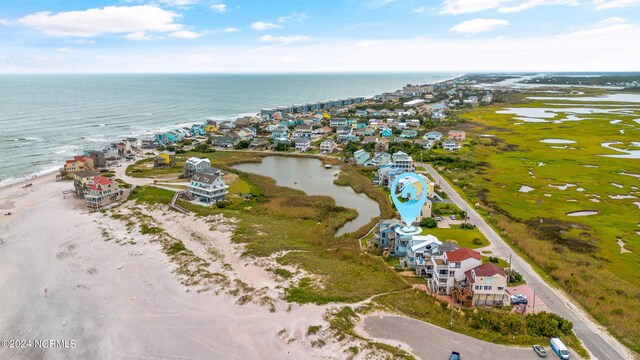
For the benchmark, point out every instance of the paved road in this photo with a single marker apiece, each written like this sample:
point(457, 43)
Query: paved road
point(428, 341)
point(596, 339)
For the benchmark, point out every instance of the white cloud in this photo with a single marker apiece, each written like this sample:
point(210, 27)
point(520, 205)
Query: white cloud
point(612, 4)
point(479, 25)
point(526, 5)
point(284, 39)
point(138, 36)
point(375, 4)
point(4, 22)
point(64, 50)
point(419, 10)
point(199, 59)
point(111, 19)
point(185, 34)
point(294, 16)
point(608, 26)
point(261, 26)
point(83, 41)
point(231, 29)
point(180, 3)
point(457, 7)
point(220, 8)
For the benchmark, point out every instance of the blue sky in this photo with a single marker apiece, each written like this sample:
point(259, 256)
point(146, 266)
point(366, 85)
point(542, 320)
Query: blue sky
point(314, 36)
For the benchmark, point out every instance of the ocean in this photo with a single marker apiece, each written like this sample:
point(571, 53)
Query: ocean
point(45, 119)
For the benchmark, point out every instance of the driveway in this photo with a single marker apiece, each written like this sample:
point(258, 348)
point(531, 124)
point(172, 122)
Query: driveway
point(595, 337)
point(428, 341)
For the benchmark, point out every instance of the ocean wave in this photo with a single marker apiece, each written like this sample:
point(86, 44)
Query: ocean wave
point(67, 150)
point(27, 139)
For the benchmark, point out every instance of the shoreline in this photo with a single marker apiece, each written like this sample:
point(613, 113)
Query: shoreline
point(17, 179)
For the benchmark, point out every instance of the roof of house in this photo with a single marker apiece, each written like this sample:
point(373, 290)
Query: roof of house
point(99, 180)
point(196, 161)
point(448, 246)
point(485, 270)
point(205, 177)
point(463, 254)
point(304, 127)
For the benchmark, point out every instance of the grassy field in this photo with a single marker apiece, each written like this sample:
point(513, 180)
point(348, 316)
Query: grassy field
point(277, 219)
point(462, 237)
point(580, 253)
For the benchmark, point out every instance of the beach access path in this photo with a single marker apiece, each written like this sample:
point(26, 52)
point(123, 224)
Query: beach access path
point(595, 337)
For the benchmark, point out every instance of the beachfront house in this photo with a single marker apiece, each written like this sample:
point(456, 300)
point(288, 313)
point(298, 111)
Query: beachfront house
point(101, 191)
point(81, 180)
point(194, 165)
point(197, 130)
point(445, 268)
point(225, 141)
point(361, 157)
point(382, 145)
point(208, 187)
point(303, 144)
point(78, 163)
point(484, 285)
point(457, 135)
point(451, 145)
point(165, 159)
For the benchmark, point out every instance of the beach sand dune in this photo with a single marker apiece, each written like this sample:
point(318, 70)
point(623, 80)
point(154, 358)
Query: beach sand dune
point(122, 300)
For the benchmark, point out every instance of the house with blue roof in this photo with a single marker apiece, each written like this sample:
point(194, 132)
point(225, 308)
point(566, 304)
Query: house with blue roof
point(361, 157)
point(386, 132)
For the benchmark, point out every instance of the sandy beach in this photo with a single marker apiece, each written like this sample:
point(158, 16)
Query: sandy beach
point(117, 295)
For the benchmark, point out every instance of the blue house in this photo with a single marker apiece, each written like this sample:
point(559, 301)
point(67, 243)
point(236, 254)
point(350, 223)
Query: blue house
point(409, 134)
point(279, 132)
point(197, 130)
point(386, 132)
point(385, 235)
point(167, 138)
point(361, 157)
point(347, 137)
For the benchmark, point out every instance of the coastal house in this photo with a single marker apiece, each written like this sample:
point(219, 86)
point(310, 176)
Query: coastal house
point(379, 159)
point(323, 130)
point(484, 285)
point(194, 165)
point(344, 138)
point(432, 136)
point(260, 143)
point(447, 267)
point(457, 135)
point(226, 141)
point(487, 99)
point(208, 187)
point(210, 128)
point(386, 132)
point(382, 145)
point(197, 130)
point(244, 134)
point(81, 180)
point(400, 160)
point(360, 157)
point(279, 131)
point(78, 163)
point(361, 113)
point(328, 146)
point(451, 145)
point(369, 131)
point(101, 191)
point(112, 152)
point(409, 134)
point(419, 249)
point(98, 157)
point(303, 144)
point(304, 131)
point(165, 159)
point(340, 130)
point(369, 140)
point(385, 234)
point(438, 116)
point(336, 122)
point(425, 144)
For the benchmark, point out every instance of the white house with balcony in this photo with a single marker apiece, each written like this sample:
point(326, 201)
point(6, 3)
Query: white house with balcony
point(194, 165)
point(401, 161)
point(444, 269)
point(208, 187)
point(488, 284)
point(419, 249)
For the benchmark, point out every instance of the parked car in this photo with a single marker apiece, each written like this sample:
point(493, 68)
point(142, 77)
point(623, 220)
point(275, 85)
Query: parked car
point(519, 299)
point(540, 350)
point(438, 218)
point(453, 217)
point(454, 356)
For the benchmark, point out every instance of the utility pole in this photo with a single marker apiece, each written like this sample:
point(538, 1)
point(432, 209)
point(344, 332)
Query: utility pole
point(534, 302)
point(451, 320)
point(509, 277)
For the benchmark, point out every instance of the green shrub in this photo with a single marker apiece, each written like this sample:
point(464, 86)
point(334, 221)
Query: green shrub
point(429, 222)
